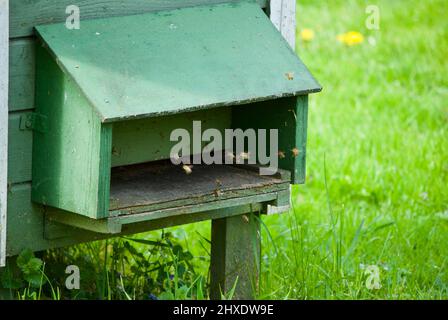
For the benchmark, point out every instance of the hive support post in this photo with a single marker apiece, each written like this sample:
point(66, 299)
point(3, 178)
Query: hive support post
point(235, 257)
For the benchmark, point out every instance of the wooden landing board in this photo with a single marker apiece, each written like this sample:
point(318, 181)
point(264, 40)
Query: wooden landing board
point(180, 60)
point(161, 185)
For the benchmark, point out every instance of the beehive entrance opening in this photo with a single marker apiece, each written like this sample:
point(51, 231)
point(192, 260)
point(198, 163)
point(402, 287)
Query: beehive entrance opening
point(158, 185)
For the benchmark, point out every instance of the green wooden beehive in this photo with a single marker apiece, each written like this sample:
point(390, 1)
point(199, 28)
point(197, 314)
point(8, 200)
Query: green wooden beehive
point(108, 96)
point(91, 112)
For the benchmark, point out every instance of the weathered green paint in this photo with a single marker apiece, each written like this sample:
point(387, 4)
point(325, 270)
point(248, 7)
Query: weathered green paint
point(235, 256)
point(105, 155)
point(114, 225)
point(154, 186)
point(21, 74)
point(289, 116)
point(156, 130)
point(176, 61)
point(103, 73)
point(67, 172)
point(20, 147)
point(25, 14)
point(27, 228)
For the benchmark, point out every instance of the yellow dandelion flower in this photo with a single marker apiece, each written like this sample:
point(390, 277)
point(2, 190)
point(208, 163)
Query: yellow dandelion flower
point(351, 38)
point(307, 35)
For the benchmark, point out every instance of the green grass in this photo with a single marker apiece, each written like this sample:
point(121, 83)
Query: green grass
point(378, 131)
point(376, 192)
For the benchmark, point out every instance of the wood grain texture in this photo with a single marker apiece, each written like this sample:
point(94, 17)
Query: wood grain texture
point(180, 215)
point(21, 74)
point(4, 64)
point(28, 229)
point(66, 156)
point(25, 14)
point(283, 16)
point(124, 153)
point(20, 148)
point(190, 67)
point(158, 185)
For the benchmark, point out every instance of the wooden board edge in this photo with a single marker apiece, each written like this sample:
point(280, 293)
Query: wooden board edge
point(104, 170)
point(283, 16)
point(4, 64)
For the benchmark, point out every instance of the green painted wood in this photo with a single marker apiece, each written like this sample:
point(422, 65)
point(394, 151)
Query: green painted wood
point(21, 74)
point(138, 131)
point(66, 158)
point(179, 60)
point(191, 218)
point(25, 14)
point(151, 137)
point(289, 116)
point(153, 192)
point(235, 256)
point(4, 67)
point(20, 146)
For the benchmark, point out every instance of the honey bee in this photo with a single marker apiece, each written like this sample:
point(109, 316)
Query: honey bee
point(187, 169)
point(217, 191)
point(295, 152)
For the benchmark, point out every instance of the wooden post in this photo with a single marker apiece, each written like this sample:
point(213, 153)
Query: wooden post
point(235, 257)
point(4, 63)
